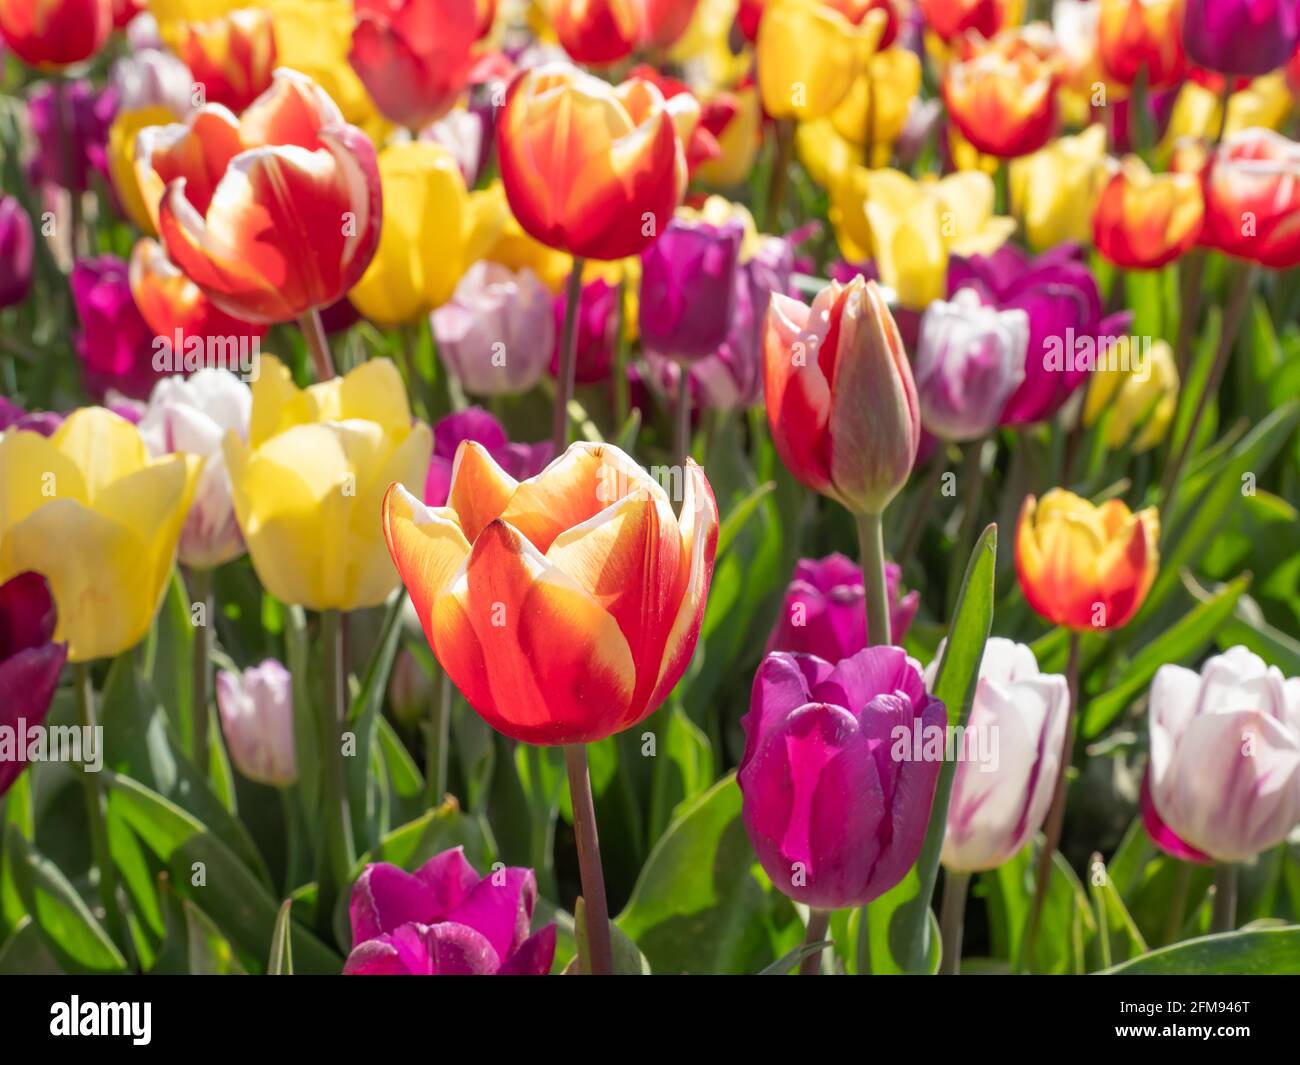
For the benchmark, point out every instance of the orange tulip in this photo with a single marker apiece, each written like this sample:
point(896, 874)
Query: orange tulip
point(592, 169)
point(230, 57)
point(55, 33)
point(1252, 199)
point(1003, 99)
point(292, 220)
point(565, 607)
point(1083, 566)
point(1145, 220)
point(1142, 37)
point(597, 32)
point(952, 18)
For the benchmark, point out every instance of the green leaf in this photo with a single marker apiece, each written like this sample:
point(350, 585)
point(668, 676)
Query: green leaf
point(281, 960)
point(24, 952)
point(1274, 647)
point(1253, 952)
point(1066, 923)
point(628, 959)
point(172, 677)
point(365, 792)
point(738, 515)
point(787, 962)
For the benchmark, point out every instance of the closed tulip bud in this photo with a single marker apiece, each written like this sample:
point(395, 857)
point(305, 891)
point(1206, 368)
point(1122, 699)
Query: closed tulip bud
point(688, 287)
point(256, 709)
point(1144, 220)
point(1054, 191)
point(1142, 38)
point(1223, 783)
point(564, 607)
point(152, 79)
point(1242, 37)
point(30, 663)
point(596, 32)
point(191, 417)
point(91, 510)
point(1007, 770)
point(231, 57)
point(1141, 396)
point(1083, 566)
point(840, 397)
point(809, 55)
point(840, 736)
point(497, 332)
point(410, 689)
point(1002, 100)
point(1252, 199)
point(55, 33)
point(309, 481)
point(563, 130)
point(17, 247)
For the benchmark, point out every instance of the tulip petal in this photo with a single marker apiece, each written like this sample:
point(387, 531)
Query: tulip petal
point(385, 897)
point(427, 546)
point(480, 488)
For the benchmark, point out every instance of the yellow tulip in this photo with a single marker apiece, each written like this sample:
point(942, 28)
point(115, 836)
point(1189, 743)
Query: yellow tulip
point(309, 483)
point(705, 46)
point(121, 161)
point(100, 519)
point(433, 232)
point(1140, 394)
point(1264, 103)
point(1053, 191)
point(876, 107)
point(739, 141)
point(827, 156)
point(808, 56)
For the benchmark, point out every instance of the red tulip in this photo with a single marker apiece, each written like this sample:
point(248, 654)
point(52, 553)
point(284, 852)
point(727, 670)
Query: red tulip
point(232, 57)
point(597, 32)
point(1252, 199)
point(55, 32)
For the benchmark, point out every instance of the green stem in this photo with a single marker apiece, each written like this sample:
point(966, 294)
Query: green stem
point(339, 855)
point(780, 176)
point(1225, 898)
point(1191, 271)
point(818, 922)
point(871, 555)
point(292, 838)
point(1178, 903)
point(68, 144)
point(922, 501)
point(201, 698)
point(952, 914)
point(599, 947)
point(313, 331)
point(622, 389)
point(97, 813)
point(568, 358)
point(1097, 869)
point(436, 746)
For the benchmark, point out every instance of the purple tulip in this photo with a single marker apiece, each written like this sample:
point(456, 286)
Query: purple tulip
point(30, 663)
point(1060, 295)
point(837, 787)
point(17, 247)
point(13, 416)
point(519, 460)
point(1245, 38)
point(598, 318)
point(446, 920)
point(92, 111)
point(115, 345)
point(688, 288)
point(824, 612)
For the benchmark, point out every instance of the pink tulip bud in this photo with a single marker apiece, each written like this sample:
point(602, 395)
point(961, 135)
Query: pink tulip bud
point(256, 710)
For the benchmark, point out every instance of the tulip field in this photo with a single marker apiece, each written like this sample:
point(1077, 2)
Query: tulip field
point(644, 487)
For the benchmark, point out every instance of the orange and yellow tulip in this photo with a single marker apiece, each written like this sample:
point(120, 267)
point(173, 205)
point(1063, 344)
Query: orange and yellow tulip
point(1145, 220)
point(55, 33)
point(1142, 38)
point(565, 607)
point(1084, 566)
point(1003, 99)
point(232, 57)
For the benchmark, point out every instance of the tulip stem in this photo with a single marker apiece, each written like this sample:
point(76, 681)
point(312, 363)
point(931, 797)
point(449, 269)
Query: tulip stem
point(568, 357)
point(313, 331)
point(97, 813)
point(871, 554)
point(68, 145)
point(951, 919)
point(201, 594)
point(972, 483)
point(600, 960)
point(682, 419)
point(779, 178)
point(435, 762)
point(818, 922)
point(1225, 898)
point(1191, 271)
point(339, 854)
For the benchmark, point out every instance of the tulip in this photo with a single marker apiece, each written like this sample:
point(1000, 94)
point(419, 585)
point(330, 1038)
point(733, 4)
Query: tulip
point(1198, 112)
point(497, 333)
point(596, 32)
point(231, 57)
point(1143, 220)
point(1055, 190)
point(597, 332)
point(466, 133)
point(1242, 37)
point(1141, 397)
point(841, 402)
point(115, 345)
point(564, 607)
point(688, 287)
point(663, 22)
point(17, 246)
point(520, 461)
point(1083, 566)
point(55, 33)
point(997, 806)
point(13, 416)
point(92, 113)
point(30, 663)
point(1002, 101)
point(444, 920)
point(1142, 39)
point(969, 361)
point(1223, 782)
point(875, 110)
point(953, 18)
point(191, 417)
point(1074, 26)
point(152, 79)
point(699, 143)
point(834, 802)
point(414, 56)
point(1252, 197)
point(823, 612)
point(516, 249)
point(139, 202)
point(256, 708)
point(809, 55)
point(291, 223)
point(590, 169)
point(90, 510)
point(426, 247)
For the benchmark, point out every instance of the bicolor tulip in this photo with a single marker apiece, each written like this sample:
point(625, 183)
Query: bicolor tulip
point(1252, 199)
point(1140, 395)
point(520, 461)
point(1142, 39)
point(1010, 760)
point(55, 33)
point(30, 663)
point(735, 120)
point(949, 19)
point(841, 401)
point(196, 152)
point(309, 482)
point(809, 55)
point(874, 112)
point(256, 710)
point(191, 416)
point(834, 801)
point(970, 358)
point(1055, 190)
point(446, 920)
point(114, 344)
point(1242, 37)
point(1083, 566)
point(1003, 100)
point(591, 169)
point(596, 32)
point(824, 614)
point(231, 56)
point(152, 78)
point(1143, 220)
point(426, 247)
point(414, 56)
point(17, 248)
point(699, 144)
point(497, 332)
point(1223, 783)
point(285, 223)
point(91, 510)
point(565, 607)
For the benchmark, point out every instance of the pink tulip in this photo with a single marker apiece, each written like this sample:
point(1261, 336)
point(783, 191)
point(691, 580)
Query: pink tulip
point(256, 710)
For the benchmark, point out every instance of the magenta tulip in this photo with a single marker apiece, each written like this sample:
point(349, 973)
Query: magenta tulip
point(30, 663)
point(17, 246)
point(1245, 38)
point(521, 461)
point(688, 288)
point(116, 346)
